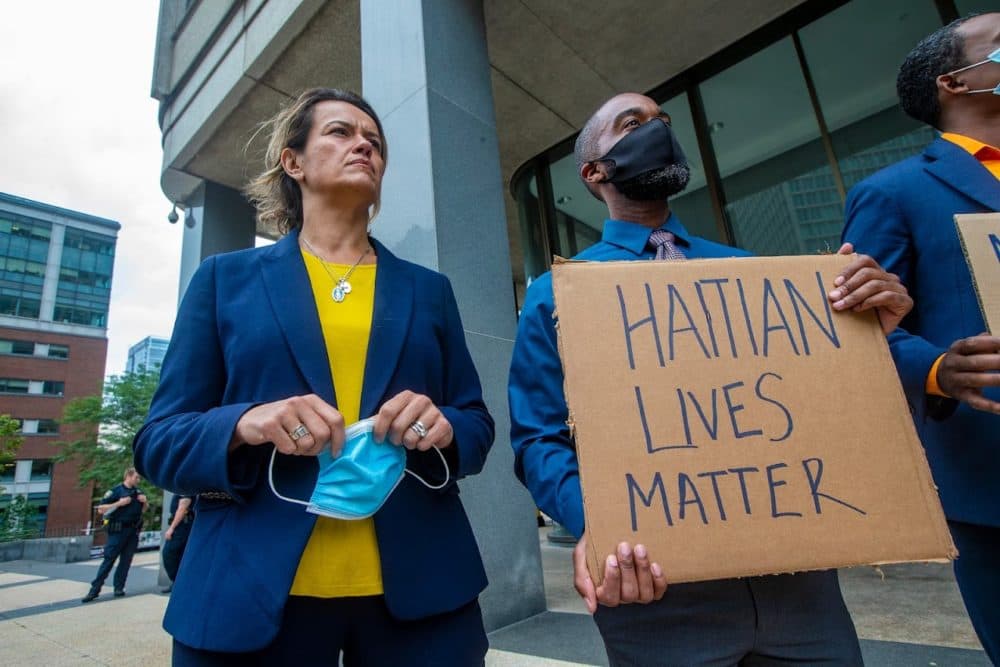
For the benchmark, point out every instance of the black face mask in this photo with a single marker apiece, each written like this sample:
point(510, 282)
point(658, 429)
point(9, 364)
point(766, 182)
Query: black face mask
point(648, 164)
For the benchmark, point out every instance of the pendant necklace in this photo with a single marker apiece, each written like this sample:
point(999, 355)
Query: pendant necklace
point(341, 286)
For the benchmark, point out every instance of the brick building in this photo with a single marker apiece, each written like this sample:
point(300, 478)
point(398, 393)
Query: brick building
point(55, 287)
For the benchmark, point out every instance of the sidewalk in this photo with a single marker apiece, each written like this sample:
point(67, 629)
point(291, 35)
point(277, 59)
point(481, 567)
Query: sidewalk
point(911, 617)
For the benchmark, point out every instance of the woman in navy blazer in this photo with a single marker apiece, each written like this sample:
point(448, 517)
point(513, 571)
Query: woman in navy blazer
point(247, 372)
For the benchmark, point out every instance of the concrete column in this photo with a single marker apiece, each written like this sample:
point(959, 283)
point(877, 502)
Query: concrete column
point(57, 240)
point(216, 219)
point(426, 72)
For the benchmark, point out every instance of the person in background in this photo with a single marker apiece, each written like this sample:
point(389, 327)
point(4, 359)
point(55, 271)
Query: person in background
point(948, 365)
point(276, 352)
point(628, 158)
point(175, 537)
point(122, 508)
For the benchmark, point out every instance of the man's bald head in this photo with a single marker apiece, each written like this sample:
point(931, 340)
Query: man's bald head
point(589, 146)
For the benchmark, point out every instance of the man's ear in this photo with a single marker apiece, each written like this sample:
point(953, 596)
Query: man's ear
point(593, 172)
point(290, 163)
point(953, 85)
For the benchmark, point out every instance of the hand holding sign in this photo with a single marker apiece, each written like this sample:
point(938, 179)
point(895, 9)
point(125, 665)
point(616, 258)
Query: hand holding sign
point(628, 577)
point(970, 365)
point(863, 285)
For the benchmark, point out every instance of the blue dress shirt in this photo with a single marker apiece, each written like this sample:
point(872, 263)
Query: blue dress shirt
point(544, 453)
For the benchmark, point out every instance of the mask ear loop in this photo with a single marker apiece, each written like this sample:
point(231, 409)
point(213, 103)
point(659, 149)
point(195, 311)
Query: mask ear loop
point(433, 487)
point(447, 474)
point(270, 480)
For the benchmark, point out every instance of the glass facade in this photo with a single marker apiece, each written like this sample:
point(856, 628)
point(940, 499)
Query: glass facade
point(775, 136)
point(24, 249)
point(84, 279)
point(147, 354)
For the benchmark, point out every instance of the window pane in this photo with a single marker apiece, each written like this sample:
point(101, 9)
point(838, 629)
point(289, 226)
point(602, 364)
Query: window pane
point(532, 233)
point(40, 470)
point(13, 386)
point(52, 388)
point(19, 306)
point(776, 177)
point(48, 426)
point(25, 347)
point(868, 129)
point(59, 351)
point(579, 215)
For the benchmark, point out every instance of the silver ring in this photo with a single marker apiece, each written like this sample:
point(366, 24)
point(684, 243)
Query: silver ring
point(299, 431)
point(419, 428)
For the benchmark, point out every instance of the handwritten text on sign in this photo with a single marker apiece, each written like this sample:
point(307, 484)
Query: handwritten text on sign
point(727, 418)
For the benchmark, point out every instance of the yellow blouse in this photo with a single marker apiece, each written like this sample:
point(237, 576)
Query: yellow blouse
point(341, 558)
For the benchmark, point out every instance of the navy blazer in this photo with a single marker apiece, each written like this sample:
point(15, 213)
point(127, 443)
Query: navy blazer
point(903, 217)
point(247, 333)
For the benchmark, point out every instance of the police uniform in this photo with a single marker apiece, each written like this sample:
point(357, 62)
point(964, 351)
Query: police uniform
point(123, 525)
point(173, 549)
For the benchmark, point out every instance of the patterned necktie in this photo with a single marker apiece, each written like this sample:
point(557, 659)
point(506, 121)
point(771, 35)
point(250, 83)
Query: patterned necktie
point(663, 242)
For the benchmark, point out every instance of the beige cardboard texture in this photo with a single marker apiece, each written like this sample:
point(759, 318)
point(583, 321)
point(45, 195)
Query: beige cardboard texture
point(980, 234)
point(728, 419)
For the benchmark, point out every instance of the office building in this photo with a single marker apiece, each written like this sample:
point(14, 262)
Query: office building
point(55, 287)
point(147, 354)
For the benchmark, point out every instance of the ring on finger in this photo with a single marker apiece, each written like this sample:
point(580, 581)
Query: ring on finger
point(299, 431)
point(419, 428)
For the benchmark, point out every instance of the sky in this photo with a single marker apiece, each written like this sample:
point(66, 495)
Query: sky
point(79, 130)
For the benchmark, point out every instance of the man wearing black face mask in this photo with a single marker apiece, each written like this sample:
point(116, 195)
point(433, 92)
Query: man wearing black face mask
point(949, 368)
point(629, 158)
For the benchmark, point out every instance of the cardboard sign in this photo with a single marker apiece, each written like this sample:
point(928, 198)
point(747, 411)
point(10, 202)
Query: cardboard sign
point(980, 234)
point(728, 419)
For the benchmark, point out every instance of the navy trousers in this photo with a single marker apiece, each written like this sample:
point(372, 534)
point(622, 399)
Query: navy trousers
point(121, 545)
point(789, 619)
point(317, 631)
point(977, 571)
point(172, 550)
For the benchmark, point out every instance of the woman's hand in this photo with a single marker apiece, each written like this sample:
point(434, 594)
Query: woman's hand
point(298, 426)
point(412, 420)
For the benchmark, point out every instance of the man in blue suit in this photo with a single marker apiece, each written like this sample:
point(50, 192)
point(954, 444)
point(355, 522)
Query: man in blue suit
point(903, 216)
point(628, 158)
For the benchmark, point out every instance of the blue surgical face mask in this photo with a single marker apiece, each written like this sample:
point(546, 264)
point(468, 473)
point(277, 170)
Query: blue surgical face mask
point(356, 483)
point(992, 58)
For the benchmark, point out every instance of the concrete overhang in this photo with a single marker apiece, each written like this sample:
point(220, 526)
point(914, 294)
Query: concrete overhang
point(234, 64)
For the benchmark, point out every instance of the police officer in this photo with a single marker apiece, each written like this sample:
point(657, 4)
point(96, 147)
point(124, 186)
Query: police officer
point(176, 536)
point(122, 506)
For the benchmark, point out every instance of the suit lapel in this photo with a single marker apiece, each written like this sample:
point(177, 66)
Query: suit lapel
point(390, 324)
point(962, 171)
point(291, 297)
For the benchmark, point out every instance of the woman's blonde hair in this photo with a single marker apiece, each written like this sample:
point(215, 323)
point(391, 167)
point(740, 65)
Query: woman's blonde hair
point(276, 195)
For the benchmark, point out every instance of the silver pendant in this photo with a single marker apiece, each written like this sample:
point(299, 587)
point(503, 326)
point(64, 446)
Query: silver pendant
point(342, 289)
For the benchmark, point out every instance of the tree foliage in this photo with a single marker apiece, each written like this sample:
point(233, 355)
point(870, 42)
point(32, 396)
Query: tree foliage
point(101, 429)
point(17, 520)
point(10, 438)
